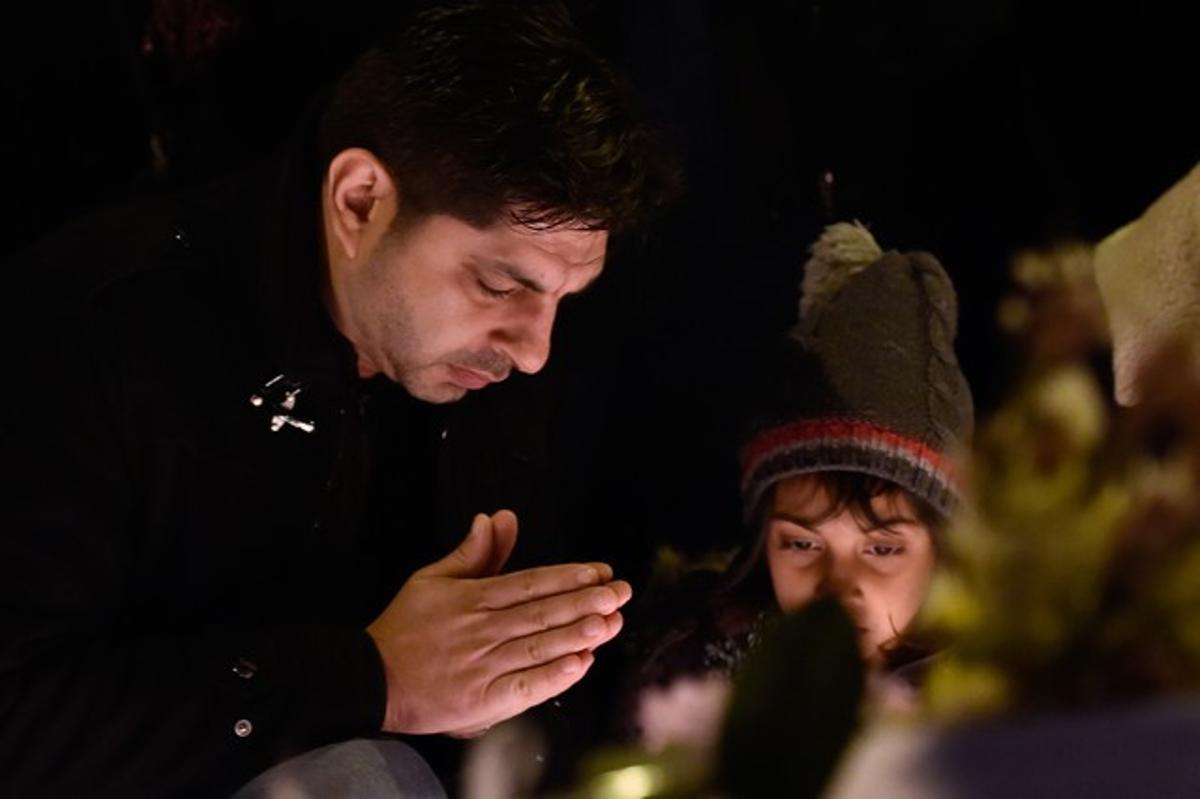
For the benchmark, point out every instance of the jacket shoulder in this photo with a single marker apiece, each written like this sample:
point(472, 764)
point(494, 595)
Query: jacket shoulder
point(111, 247)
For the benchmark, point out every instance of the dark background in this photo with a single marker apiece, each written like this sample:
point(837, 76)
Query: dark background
point(970, 129)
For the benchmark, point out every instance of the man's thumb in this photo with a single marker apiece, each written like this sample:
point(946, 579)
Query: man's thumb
point(471, 557)
point(504, 538)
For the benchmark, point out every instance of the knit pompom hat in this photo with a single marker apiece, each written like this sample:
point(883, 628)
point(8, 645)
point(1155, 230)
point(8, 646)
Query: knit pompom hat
point(867, 380)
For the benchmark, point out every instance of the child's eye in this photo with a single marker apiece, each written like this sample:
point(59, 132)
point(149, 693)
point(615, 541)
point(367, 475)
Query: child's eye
point(883, 550)
point(800, 544)
point(495, 293)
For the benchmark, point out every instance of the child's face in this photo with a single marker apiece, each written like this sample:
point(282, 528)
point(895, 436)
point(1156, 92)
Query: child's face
point(881, 575)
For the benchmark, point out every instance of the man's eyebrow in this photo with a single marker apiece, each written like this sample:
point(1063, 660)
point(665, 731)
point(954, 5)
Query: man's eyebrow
point(515, 274)
point(519, 276)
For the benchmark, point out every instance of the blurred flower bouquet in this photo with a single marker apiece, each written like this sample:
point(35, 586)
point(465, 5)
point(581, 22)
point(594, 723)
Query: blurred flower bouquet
point(795, 704)
point(1070, 587)
point(1073, 581)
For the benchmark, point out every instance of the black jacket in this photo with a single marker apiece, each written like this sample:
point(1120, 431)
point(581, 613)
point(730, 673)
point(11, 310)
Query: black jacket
point(183, 590)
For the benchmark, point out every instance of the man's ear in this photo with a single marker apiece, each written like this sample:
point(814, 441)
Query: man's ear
point(359, 200)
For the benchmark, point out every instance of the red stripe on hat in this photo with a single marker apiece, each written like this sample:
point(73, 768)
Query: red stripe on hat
point(848, 430)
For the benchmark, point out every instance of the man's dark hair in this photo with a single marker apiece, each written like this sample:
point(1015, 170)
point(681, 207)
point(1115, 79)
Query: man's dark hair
point(484, 108)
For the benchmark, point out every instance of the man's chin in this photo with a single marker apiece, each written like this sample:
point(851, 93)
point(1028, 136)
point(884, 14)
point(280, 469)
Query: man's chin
point(439, 393)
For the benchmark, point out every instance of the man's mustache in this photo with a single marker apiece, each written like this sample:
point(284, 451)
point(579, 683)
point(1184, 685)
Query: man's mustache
point(490, 362)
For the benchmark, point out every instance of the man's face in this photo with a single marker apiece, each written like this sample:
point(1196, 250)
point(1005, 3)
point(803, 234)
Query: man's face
point(880, 574)
point(444, 308)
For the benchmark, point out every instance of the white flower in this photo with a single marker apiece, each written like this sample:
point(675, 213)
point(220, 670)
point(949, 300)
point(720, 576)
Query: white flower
point(688, 712)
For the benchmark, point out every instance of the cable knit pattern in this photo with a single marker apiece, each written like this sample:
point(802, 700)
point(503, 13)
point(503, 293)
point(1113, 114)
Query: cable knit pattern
point(945, 380)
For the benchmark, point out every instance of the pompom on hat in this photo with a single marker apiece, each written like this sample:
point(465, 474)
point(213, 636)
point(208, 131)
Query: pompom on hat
point(867, 380)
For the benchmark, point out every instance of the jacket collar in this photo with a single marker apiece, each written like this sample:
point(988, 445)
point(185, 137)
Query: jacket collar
point(298, 333)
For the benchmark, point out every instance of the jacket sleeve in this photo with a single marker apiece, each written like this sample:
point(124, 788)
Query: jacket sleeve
point(90, 704)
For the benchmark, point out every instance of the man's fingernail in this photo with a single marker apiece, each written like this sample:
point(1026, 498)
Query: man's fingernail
point(571, 665)
point(594, 627)
point(588, 576)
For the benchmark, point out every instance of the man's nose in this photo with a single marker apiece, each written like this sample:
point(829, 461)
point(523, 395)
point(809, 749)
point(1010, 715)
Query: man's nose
point(528, 342)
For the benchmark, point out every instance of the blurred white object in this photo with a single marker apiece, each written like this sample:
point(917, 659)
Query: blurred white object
point(687, 712)
point(1139, 750)
point(1148, 273)
point(505, 763)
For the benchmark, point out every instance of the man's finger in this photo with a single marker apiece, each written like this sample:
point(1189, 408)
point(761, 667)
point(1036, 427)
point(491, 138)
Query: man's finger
point(615, 622)
point(471, 557)
point(508, 590)
point(504, 538)
point(534, 650)
point(520, 690)
point(559, 611)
